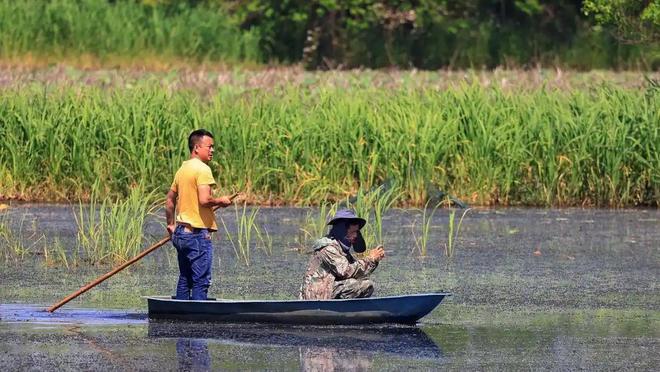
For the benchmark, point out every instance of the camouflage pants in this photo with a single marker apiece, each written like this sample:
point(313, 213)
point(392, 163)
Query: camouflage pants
point(353, 288)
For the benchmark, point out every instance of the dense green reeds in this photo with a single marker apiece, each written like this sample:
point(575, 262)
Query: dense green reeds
point(111, 31)
point(593, 147)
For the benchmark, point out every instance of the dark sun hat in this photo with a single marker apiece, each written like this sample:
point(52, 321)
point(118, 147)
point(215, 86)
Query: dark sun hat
point(347, 214)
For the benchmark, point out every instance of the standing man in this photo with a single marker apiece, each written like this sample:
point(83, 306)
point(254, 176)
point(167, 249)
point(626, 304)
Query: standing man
point(190, 194)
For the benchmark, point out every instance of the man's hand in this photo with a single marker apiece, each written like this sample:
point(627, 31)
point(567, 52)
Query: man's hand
point(170, 229)
point(377, 253)
point(223, 201)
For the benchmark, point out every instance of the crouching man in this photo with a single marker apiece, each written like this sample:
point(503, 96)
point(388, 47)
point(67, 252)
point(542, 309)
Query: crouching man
point(332, 271)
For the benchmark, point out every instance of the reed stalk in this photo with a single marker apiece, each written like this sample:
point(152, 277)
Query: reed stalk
point(452, 234)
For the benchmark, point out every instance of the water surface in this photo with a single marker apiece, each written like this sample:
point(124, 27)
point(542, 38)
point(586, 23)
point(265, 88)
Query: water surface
point(532, 289)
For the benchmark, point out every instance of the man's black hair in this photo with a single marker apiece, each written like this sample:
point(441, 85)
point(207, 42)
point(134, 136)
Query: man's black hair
point(196, 136)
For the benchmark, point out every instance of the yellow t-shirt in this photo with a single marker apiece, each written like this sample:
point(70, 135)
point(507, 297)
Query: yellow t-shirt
point(191, 174)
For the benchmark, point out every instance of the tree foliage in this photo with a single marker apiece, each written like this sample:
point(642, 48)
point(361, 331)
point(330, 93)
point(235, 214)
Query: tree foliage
point(635, 21)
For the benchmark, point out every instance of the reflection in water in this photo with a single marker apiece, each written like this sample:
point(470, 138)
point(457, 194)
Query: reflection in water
point(320, 348)
point(193, 354)
point(329, 359)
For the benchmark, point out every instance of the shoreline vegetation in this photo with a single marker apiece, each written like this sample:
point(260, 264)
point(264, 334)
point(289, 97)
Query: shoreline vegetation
point(290, 137)
point(320, 35)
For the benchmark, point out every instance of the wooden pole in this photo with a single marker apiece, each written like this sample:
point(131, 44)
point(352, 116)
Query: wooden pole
point(114, 271)
point(109, 274)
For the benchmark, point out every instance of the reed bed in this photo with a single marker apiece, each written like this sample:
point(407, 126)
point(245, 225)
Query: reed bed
point(97, 31)
point(484, 145)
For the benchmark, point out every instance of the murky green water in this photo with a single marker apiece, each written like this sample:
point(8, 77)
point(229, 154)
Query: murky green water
point(533, 289)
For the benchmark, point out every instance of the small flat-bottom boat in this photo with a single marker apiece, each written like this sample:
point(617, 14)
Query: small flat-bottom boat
point(406, 309)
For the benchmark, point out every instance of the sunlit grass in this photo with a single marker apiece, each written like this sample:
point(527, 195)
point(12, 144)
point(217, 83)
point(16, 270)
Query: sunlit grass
point(314, 226)
point(453, 230)
point(591, 147)
point(242, 240)
point(111, 231)
point(421, 237)
point(372, 206)
point(102, 31)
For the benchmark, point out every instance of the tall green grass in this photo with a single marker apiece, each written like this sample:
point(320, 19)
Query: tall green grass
point(127, 29)
point(453, 230)
point(111, 231)
point(372, 206)
point(595, 147)
point(421, 236)
point(315, 225)
point(243, 239)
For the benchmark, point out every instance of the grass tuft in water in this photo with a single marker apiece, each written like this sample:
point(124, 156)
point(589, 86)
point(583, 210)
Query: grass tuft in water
point(12, 247)
point(245, 226)
point(452, 233)
point(372, 206)
point(111, 231)
point(422, 238)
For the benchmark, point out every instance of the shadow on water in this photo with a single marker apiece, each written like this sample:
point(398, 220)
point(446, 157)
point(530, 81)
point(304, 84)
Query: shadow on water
point(319, 348)
point(20, 313)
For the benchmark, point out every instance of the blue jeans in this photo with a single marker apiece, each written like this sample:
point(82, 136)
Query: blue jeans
point(195, 256)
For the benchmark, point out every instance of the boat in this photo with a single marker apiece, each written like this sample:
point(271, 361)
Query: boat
point(406, 309)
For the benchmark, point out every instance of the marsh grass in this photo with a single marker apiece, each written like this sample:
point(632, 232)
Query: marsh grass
point(594, 147)
point(453, 230)
point(122, 30)
point(265, 238)
point(12, 246)
point(314, 226)
point(56, 254)
point(372, 206)
point(111, 231)
point(242, 240)
point(421, 238)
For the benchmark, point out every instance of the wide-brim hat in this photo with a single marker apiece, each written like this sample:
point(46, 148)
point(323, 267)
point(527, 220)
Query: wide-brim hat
point(347, 214)
point(359, 245)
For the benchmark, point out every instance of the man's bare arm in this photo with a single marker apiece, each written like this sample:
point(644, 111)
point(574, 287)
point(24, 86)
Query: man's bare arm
point(170, 205)
point(207, 200)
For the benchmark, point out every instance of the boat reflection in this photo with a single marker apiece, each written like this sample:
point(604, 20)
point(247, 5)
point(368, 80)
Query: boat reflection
point(320, 348)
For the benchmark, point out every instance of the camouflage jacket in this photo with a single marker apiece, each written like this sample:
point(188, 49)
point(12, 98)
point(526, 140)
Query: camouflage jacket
point(329, 263)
